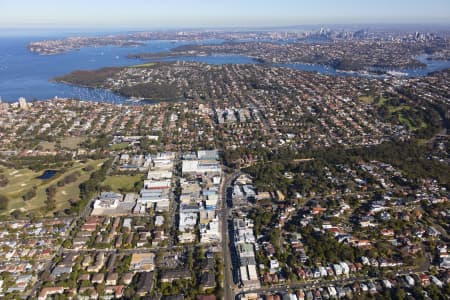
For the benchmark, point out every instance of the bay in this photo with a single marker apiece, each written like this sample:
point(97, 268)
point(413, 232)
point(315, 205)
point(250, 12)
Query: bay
point(29, 75)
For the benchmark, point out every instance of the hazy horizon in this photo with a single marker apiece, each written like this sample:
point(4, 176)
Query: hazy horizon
point(65, 31)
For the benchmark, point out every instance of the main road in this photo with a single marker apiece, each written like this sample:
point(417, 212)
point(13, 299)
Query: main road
point(224, 217)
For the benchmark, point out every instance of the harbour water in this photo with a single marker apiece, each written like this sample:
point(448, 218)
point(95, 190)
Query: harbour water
point(29, 75)
point(26, 74)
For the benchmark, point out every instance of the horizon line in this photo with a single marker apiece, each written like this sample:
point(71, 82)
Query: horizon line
point(11, 30)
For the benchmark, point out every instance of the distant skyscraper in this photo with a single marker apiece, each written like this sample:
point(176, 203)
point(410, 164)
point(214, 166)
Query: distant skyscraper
point(23, 103)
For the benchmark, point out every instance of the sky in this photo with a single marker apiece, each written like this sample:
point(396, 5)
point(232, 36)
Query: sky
point(216, 13)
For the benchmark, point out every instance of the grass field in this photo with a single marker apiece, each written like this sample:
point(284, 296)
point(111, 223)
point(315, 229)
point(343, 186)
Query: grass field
point(23, 180)
point(394, 109)
point(366, 99)
point(122, 183)
point(118, 147)
point(382, 101)
point(48, 146)
point(370, 99)
point(72, 142)
point(147, 65)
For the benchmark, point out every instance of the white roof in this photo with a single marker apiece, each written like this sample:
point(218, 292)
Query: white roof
point(253, 275)
point(156, 183)
point(188, 219)
point(156, 174)
point(190, 166)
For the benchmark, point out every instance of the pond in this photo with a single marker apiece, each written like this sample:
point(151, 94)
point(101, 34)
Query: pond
point(48, 174)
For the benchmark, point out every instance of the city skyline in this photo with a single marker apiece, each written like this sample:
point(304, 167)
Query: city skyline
point(174, 13)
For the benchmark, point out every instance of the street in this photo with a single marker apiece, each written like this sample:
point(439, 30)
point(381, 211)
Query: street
point(224, 213)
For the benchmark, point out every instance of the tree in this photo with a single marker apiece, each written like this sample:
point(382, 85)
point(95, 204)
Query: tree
point(16, 214)
point(67, 243)
point(399, 294)
point(29, 195)
point(4, 200)
point(50, 202)
point(417, 292)
point(3, 180)
point(434, 292)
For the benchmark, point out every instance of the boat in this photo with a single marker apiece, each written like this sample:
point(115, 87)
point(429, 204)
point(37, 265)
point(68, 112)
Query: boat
point(135, 99)
point(397, 73)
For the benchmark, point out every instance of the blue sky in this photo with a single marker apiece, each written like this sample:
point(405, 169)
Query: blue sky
point(210, 13)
